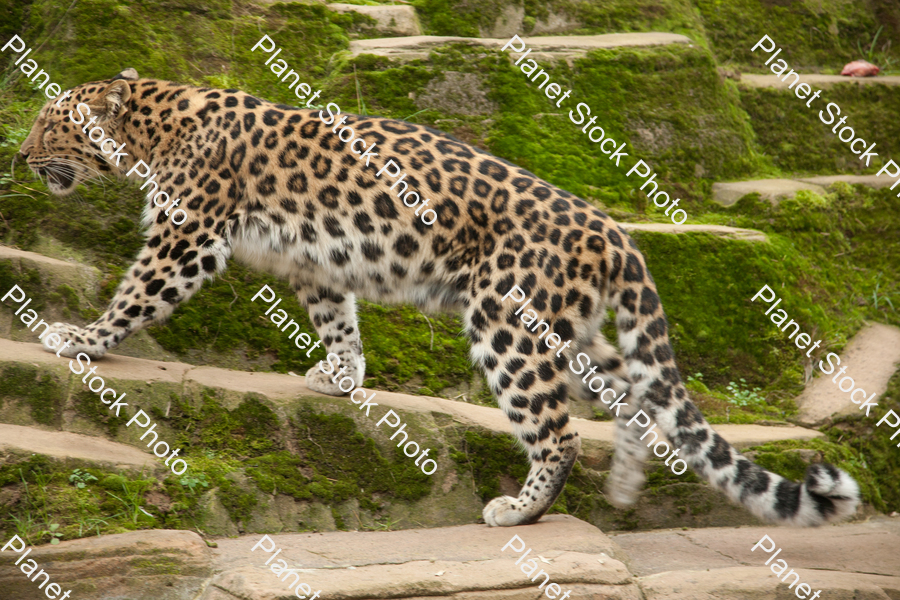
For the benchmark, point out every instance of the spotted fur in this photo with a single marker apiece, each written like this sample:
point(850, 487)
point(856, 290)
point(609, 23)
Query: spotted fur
point(272, 186)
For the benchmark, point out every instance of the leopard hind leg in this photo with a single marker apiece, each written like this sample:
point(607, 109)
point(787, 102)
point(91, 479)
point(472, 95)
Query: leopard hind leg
point(605, 386)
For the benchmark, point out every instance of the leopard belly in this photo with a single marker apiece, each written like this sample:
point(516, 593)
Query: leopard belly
point(280, 250)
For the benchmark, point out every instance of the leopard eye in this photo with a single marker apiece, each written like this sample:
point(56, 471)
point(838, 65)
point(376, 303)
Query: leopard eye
point(50, 127)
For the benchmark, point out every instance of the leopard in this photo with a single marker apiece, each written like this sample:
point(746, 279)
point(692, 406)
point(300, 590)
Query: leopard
point(272, 186)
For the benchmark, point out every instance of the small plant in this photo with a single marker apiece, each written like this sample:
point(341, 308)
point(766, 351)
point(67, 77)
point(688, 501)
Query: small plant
point(385, 524)
point(24, 526)
point(883, 297)
point(873, 54)
point(695, 383)
point(191, 482)
point(742, 395)
point(86, 524)
point(132, 501)
point(80, 478)
point(360, 103)
point(54, 533)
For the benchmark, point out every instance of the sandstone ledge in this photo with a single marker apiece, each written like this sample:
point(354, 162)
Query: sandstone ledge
point(280, 388)
point(140, 565)
point(543, 47)
point(467, 563)
point(759, 583)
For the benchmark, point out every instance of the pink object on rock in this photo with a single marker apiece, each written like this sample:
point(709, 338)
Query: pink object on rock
point(860, 68)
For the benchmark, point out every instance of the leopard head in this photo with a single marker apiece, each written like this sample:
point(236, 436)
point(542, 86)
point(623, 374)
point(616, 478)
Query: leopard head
point(59, 151)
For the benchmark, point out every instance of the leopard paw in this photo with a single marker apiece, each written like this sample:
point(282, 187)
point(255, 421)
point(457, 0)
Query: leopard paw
point(72, 340)
point(504, 511)
point(344, 381)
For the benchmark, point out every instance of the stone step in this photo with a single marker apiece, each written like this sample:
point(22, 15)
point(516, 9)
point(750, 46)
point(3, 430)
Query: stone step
point(815, 80)
point(717, 563)
point(25, 257)
point(872, 357)
point(460, 562)
point(64, 444)
point(52, 272)
point(277, 387)
point(734, 233)
point(868, 547)
point(457, 562)
point(139, 565)
point(396, 20)
point(746, 583)
point(468, 563)
point(546, 48)
point(774, 190)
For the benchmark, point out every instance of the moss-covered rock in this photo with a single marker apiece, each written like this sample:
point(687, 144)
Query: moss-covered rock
point(667, 103)
point(818, 36)
point(39, 391)
point(502, 18)
point(798, 142)
point(254, 465)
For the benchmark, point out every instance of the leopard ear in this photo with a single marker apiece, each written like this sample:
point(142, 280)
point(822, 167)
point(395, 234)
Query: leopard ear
point(129, 74)
point(110, 103)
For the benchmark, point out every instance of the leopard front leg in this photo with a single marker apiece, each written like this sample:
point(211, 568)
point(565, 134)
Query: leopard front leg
point(334, 316)
point(169, 270)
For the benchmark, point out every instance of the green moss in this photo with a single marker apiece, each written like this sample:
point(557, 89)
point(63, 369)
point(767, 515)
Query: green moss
point(712, 324)
point(68, 297)
point(440, 17)
point(251, 429)
point(471, 19)
point(813, 34)
point(166, 49)
point(30, 281)
point(14, 472)
point(486, 456)
point(103, 221)
point(337, 463)
point(88, 405)
point(309, 38)
point(36, 388)
point(158, 565)
point(797, 140)
point(719, 332)
point(617, 16)
point(399, 348)
point(668, 101)
point(238, 503)
point(338, 520)
point(875, 457)
point(221, 318)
